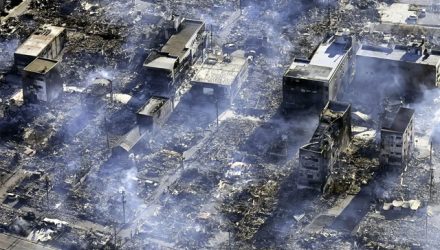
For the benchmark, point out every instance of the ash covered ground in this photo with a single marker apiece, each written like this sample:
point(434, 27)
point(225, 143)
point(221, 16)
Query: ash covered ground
point(200, 182)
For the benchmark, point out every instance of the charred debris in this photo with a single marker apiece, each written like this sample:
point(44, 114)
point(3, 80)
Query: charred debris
point(219, 124)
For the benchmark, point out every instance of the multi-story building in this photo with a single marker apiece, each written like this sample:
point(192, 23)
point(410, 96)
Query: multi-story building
point(47, 42)
point(165, 67)
point(314, 82)
point(397, 138)
point(399, 69)
point(41, 81)
point(220, 78)
point(333, 135)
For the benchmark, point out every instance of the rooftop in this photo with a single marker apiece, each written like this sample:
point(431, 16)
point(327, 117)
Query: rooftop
point(39, 40)
point(152, 106)
point(162, 62)
point(324, 62)
point(177, 44)
point(129, 140)
point(41, 66)
point(220, 72)
point(402, 119)
point(399, 53)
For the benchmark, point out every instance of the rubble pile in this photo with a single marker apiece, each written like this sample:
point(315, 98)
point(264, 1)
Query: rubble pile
point(249, 208)
point(356, 167)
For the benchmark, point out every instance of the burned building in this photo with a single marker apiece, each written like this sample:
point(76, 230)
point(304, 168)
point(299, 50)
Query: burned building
point(154, 113)
point(220, 78)
point(312, 83)
point(333, 135)
point(397, 138)
point(165, 67)
point(401, 69)
point(46, 42)
point(41, 81)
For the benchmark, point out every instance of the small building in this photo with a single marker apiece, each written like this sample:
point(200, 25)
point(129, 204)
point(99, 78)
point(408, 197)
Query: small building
point(47, 42)
point(41, 81)
point(401, 69)
point(219, 78)
point(333, 135)
point(314, 82)
point(129, 143)
point(397, 138)
point(164, 68)
point(154, 113)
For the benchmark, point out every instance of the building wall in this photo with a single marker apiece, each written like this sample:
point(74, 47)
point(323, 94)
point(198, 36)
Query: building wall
point(301, 93)
point(312, 167)
point(41, 88)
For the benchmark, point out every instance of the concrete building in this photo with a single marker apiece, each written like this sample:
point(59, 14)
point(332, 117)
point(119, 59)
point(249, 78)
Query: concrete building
point(333, 135)
point(400, 69)
point(312, 83)
point(220, 78)
point(46, 42)
point(397, 138)
point(165, 67)
point(154, 113)
point(41, 81)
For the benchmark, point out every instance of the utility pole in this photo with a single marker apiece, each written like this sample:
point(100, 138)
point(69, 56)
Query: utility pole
point(111, 90)
point(216, 108)
point(212, 43)
point(430, 153)
point(123, 205)
point(106, 132)
point(47, 186)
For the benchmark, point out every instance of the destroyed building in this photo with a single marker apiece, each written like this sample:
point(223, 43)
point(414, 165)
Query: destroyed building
point(154, 113)
point(312, 83)
point(333, 135)
point(41, 81)
point(401, 69)
point(164, 68)
point(397, 138)
point(220, 78)
point(46, 42)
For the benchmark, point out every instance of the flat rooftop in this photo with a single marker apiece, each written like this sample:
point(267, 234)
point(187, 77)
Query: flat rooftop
point(323, 64)
point(177, 44)
point(220, 72)
point(398, 54)
point(307, 71)
point(39, 40)
point(162, 62)
point(41, 66)
point(152, 106)
point(402, 119)
point(129, 140)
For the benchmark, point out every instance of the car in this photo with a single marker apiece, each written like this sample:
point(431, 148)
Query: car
point(412, 19)
point(422, 13)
